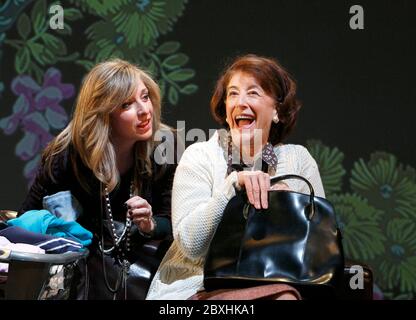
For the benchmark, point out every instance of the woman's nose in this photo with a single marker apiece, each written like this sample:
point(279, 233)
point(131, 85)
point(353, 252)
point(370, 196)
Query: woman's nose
point(142, 109)
point(242, 100)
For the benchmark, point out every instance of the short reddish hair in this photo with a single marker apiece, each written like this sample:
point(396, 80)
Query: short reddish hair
point(274, 80)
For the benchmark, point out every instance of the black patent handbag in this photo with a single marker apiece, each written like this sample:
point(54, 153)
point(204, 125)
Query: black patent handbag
point(295, 241)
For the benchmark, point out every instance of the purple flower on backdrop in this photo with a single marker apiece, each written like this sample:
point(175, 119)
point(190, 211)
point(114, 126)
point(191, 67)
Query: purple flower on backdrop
point(37, 111)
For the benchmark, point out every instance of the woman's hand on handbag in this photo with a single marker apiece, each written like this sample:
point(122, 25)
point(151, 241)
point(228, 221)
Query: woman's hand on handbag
point(257, 185)
point(140, 212)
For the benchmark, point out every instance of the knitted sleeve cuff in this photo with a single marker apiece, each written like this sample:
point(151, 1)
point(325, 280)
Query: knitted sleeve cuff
point(230, 185)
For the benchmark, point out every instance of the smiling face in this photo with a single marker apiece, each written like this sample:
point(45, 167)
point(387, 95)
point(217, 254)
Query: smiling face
point(249, 109)
point(132, 121)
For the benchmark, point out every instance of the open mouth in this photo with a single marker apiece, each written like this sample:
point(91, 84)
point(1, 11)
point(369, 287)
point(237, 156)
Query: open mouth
point(245, 121)
point(144, 125)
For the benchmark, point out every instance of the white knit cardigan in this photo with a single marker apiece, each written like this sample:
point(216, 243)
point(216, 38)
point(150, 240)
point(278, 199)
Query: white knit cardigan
point(201, 191)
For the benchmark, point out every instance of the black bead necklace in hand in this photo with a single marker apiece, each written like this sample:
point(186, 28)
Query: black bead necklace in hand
point(126, 230)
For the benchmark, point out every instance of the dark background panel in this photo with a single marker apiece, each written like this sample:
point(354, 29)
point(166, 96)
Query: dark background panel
point(356, 85)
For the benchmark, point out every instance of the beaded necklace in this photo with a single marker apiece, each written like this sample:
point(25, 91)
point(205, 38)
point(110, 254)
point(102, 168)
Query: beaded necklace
point(117, 244)
point(126, 230)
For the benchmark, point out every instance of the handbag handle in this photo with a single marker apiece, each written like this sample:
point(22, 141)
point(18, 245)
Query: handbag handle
point(312, 192)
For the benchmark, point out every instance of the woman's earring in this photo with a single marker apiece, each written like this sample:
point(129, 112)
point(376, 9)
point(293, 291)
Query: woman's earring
point(275, 118)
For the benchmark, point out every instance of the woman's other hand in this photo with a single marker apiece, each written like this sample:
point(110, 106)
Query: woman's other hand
point(140, 212)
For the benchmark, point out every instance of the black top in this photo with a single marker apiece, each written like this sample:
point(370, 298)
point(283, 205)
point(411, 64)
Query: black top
point(156, 189)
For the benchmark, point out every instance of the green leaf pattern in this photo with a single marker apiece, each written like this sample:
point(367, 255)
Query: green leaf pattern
point(130, 30)
point(40, 46)
point(376, 214)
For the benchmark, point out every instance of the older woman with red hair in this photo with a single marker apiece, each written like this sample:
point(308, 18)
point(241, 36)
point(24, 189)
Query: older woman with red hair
point(255, 101)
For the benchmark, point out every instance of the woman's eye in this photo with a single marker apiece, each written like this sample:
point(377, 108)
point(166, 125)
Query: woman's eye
point(145, 97)
point(254, 93)
point(126, 105)
point(232, 93)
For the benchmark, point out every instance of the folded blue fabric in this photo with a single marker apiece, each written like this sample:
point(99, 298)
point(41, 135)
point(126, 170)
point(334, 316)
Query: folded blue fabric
point(63, 205)
point(42, 221)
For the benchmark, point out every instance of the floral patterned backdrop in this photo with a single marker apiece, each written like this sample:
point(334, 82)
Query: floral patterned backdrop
point(38, 87)
point(374, 199)
point(376, 214)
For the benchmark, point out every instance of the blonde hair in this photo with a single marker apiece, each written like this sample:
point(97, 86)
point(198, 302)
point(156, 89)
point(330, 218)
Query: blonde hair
point(107, 86)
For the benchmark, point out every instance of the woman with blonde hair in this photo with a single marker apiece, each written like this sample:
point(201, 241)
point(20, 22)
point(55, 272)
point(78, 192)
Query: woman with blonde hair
point(104, 157)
